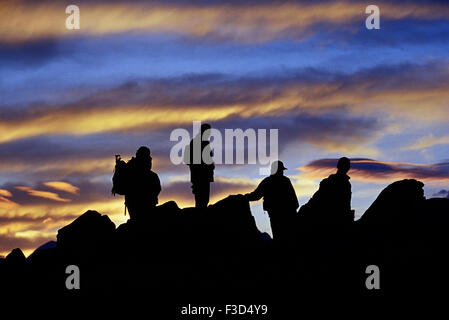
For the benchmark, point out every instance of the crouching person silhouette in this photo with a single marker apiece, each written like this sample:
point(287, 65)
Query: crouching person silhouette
point(280, 201)
point(331, 204)
point(138, 183)
point(341, 193)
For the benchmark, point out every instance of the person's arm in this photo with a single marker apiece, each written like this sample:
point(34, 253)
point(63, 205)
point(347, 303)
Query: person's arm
point(256, 194)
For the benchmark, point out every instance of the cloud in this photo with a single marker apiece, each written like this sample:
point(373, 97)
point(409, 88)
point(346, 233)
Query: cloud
point(5, 193)
point(83, 122)
point(42, 194)
point(34, 223)
point(442, 194)
point(32, 53)
point(368, 170)
point(335, 131)
point(236, 21)
point(6, 203)
point(62, 186)
point(79, 158)
point(34, 220)
point(26, 244)
point(150, 105)
point(427, 142)
point(89, 189)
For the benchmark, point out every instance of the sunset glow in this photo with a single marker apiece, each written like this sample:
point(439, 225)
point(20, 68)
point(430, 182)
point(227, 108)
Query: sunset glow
point(73, 99)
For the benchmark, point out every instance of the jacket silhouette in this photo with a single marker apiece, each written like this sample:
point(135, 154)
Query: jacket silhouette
point(144, 185)
point(279, 200)
point(198, 156)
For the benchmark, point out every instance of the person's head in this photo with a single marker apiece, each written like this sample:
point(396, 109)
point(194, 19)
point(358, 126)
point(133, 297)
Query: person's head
point(143, 155)
point(343, 165)
point(205, 134)
point(277, 167)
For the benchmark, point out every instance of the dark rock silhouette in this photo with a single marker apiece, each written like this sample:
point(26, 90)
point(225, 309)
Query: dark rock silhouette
point(211, 254)
point(14, 272)
point(395, 204)
point(404, 234)
point(87, 235)
point(42, 250)
point(15, 258)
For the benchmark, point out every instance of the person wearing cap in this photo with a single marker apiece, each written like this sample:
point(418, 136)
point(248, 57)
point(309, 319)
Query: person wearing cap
point(279, 200)
point(144, 184)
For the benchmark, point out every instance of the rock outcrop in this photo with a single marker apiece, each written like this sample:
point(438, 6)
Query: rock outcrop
point(177, 254)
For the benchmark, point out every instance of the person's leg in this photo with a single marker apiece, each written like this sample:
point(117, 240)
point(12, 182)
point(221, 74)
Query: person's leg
point(282, 228)
point(132, 211)
point(274, 227)
point(202, 192)
point(198, 197)
point(206, 193)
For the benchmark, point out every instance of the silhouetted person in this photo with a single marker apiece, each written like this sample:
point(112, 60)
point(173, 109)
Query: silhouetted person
point(198, 157)
point(332, 201)
point(341, 187)
point(279, 200)
point(144, 184)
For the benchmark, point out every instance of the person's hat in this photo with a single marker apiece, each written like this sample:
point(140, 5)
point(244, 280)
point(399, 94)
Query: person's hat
point(276, 166)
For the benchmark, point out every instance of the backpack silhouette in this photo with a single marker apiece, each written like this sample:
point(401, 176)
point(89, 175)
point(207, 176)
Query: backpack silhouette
point(120, 179)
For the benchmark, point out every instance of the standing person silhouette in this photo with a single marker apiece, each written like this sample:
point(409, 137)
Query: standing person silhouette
point(198, 156)
point(279, 200)
point(144, 184)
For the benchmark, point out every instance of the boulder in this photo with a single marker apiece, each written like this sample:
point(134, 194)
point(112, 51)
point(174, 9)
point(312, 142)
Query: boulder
point(397, 203)
point(15, 258)
point(89, 235)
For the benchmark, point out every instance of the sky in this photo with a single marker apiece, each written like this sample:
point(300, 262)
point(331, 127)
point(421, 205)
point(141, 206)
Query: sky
point(137, 70)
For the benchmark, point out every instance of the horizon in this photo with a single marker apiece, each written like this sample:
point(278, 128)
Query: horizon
point(134, 72)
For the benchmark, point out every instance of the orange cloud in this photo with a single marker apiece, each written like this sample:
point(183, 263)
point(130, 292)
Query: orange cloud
point(42, 194)
point(62, 186)
point(312, 98)
point(5, 193)
point(5, 202)
point(379, 171)
point(24, 21)
point(81, 122)
point(29, 226)
point(428, 141)
point(61, 167)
